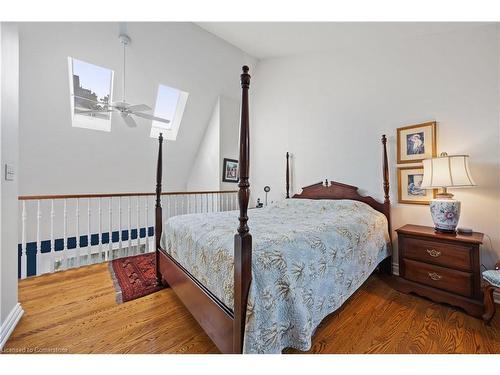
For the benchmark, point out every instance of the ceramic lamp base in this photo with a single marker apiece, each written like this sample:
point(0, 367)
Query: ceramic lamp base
point(445, 213)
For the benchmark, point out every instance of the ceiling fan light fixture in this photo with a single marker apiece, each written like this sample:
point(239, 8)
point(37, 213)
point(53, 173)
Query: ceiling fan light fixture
point(127, 110)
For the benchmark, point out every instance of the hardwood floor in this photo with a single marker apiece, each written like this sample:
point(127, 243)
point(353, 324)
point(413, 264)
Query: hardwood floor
point(75, 312)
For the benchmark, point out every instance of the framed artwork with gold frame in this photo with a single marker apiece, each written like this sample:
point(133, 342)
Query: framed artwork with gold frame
point(409, 186)
point(416, 142)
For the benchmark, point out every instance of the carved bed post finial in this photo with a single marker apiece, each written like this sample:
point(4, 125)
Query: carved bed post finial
point(244, 160)
point(287, 176)
point(158, 211)
point(242, 239)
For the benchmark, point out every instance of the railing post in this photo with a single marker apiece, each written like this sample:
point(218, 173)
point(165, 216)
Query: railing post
point(65, 234)
point(24, 250)
point(129, 214)
point(109, 253)
point(120, 232)
point(78, 244)
point(99, 235)
point(89, 233)
point(138, 246)
point(52, 240)
point(38, 253)
point(146, 220)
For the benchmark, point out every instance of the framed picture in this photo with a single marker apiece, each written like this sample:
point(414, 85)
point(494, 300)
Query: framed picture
point(230, 170)
point(416, 142)
point(410, 186)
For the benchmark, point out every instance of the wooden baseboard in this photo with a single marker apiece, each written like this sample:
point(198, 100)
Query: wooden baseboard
point(10, 323)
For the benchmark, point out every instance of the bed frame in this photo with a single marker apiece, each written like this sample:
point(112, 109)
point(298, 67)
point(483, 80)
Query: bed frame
point(224, 326)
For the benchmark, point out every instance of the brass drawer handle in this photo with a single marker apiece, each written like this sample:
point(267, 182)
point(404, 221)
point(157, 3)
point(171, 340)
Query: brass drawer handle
point(434, 276)
point(433, 253)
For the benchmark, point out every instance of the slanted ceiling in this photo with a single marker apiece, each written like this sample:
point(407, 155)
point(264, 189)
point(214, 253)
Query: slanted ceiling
point(56, 158)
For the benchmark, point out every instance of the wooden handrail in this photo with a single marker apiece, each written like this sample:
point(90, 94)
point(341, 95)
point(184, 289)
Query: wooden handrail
point(111, 195)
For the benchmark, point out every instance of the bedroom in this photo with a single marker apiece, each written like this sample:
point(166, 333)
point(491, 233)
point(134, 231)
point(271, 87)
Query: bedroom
point(346, 103)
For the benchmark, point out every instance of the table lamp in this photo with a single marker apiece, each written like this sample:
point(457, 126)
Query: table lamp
point(446, 171)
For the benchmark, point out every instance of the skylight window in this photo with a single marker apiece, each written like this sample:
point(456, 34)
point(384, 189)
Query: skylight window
point(91, 88)
point(170, 104)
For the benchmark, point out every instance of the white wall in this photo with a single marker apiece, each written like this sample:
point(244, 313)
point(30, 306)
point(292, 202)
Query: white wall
point(329, 110)
point(57, 158)
point(221, 140)
point(229, 135)
point(205, 172)
point(9, 82)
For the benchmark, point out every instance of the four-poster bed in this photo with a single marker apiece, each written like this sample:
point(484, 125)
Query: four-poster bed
point(222, 307)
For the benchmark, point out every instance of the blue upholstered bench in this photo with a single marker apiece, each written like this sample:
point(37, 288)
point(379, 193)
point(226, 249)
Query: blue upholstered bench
point(492, 282)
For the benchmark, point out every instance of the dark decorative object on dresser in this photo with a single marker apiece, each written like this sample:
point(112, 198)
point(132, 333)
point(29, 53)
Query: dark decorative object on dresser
point(443, 267)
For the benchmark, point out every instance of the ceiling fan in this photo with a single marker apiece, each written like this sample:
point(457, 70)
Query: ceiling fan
point(126, 110)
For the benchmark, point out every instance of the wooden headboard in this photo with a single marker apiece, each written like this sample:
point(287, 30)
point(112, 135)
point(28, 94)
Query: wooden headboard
point(337, 190)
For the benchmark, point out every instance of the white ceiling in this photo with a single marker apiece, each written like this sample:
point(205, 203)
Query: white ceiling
point(277, 39)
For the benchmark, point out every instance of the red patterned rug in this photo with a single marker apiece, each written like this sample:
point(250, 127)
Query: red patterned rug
point(134, 276)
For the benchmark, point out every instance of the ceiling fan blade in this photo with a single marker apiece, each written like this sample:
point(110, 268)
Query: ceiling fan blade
point(78, 111)
point(119, 104)
point(139, 108)
point(129, 120)
point(151, 117)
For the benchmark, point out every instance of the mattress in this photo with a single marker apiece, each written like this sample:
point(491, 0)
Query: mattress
point(308, 257)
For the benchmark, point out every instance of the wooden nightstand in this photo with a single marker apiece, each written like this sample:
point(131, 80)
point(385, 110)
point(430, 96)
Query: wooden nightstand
point(442, 267)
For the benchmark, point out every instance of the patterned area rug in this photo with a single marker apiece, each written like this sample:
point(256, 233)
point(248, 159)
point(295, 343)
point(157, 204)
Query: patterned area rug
point(134, 277)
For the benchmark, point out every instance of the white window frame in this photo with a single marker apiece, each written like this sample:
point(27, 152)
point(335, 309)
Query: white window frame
point(170, 130)
point(88, 122)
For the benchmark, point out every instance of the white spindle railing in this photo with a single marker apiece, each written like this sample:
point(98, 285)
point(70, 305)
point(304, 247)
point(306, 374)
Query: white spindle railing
point(38, 240)
point(138, 222)
point(146, 222)
point(77, 244)
point(120, 237)
point(109, 253)
point(99, 234)
point(52, 238)
point(89, 232)
point(24, 250)
point(65, 235)
point(54, 223)
point(129, 217)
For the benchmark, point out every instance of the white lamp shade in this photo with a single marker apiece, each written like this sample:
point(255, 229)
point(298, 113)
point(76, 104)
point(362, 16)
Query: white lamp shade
point(447, 171)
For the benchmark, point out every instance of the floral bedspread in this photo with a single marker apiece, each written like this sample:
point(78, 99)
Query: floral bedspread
point(308, 257)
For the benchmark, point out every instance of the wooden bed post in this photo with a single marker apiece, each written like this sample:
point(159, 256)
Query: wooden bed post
point(287, 176)
point(158, 211)
point(385, 167)
point(386, 265)
point(242, 239)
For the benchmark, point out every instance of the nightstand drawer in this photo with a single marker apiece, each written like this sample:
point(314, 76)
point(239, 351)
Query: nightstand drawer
point(439, 277)
point(443, 254)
